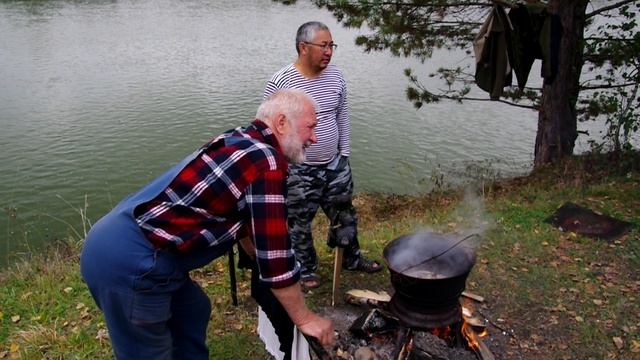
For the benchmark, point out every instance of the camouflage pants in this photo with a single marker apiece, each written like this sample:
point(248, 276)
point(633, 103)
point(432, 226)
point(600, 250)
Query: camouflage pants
point(328, 187)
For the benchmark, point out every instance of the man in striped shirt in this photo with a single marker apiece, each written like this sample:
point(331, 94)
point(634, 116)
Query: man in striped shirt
point(136, 260)
point(324, 179)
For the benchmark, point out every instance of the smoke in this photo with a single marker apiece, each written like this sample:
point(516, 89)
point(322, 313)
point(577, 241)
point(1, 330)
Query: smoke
point(470, 216)
point(431, 254)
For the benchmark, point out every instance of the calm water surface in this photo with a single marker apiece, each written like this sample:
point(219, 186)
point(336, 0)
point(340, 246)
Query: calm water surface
point(99, 97)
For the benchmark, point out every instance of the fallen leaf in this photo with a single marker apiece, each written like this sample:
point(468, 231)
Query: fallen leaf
point(618, 342)
point(84, 314)
point(15, 318)
point(67, 289)
point(579, 319)
point(79, 306)
point(635, 346)
point(3, 354)
point(103, 334)
point(14, 347)
point(597, 302)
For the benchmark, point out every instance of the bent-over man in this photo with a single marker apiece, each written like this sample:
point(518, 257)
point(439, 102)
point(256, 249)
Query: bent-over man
point(136, 260)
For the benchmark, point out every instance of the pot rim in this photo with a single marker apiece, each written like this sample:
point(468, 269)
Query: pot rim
point(462, 272)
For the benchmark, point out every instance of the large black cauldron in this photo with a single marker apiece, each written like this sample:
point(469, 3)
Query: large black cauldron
point(429, 269)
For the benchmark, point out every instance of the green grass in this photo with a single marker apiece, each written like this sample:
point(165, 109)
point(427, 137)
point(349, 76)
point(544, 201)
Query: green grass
point(560, 295)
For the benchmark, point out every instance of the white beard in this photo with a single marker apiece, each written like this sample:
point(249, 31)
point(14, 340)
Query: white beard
point(293, 149)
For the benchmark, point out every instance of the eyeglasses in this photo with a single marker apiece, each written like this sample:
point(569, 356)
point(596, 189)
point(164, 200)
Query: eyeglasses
point(324, 47)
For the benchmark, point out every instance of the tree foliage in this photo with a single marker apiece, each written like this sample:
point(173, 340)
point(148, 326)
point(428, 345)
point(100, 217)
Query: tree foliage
point(608, 84)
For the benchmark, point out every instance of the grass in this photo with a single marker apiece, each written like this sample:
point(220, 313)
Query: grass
point(557, 295)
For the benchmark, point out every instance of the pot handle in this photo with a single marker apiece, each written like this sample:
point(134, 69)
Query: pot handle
point(442, 253)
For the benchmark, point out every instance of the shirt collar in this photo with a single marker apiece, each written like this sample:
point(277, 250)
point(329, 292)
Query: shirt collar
point(261, 131)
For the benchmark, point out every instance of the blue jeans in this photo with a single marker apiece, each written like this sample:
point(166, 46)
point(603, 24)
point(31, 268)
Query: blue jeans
point(152, 308)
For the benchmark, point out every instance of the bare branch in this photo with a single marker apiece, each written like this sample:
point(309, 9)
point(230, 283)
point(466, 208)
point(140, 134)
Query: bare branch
point(460, 4)
point(606, 86)
point(592, 38)
point(485, 99)
point(607, 8)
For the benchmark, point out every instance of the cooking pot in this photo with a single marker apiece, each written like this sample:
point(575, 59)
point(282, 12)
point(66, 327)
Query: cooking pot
point(430, 269)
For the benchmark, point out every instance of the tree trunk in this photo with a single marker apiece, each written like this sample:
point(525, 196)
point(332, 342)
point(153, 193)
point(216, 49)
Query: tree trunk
point(557, 119)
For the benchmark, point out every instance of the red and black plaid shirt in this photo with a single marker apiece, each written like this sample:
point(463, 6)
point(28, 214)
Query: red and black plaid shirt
point(235, 186)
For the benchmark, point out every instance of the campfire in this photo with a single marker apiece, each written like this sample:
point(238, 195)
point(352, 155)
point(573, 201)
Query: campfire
point(425, 318)
point(378, 334)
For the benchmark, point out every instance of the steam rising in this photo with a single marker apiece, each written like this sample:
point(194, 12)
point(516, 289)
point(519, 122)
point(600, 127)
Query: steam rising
point(428, 254)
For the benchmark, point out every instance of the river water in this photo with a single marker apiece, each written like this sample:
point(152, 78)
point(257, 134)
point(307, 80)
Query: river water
point(99, 97)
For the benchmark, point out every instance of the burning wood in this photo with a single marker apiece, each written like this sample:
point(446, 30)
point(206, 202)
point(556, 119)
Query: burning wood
point(427, 346)
point(374, 323)
point(417, 325)
point(476, 344)
point(379, 333)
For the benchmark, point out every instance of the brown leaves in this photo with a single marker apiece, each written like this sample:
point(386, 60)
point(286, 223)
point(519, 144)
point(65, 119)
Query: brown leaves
point(618, 342)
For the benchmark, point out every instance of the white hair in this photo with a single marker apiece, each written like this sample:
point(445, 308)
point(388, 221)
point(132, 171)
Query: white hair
point(289, 102)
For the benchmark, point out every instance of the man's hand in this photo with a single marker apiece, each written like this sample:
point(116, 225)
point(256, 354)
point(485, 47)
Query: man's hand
point(318, 327)
point(306, 320)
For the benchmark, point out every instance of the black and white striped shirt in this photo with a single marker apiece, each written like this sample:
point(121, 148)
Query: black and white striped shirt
point(329, 90)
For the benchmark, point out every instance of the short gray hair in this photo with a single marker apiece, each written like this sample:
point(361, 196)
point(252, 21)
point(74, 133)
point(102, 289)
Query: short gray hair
point(289, 102)
point(307, 31)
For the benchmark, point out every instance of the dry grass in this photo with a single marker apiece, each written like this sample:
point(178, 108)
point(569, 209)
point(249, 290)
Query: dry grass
point(549, 294)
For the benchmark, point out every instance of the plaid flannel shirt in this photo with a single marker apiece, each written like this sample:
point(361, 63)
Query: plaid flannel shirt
point(235, 186)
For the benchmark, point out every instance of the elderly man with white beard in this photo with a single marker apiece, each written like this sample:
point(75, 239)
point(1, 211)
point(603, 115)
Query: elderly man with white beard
point(136, 259)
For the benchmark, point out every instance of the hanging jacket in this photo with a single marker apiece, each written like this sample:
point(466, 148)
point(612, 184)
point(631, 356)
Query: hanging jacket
point(493, 71)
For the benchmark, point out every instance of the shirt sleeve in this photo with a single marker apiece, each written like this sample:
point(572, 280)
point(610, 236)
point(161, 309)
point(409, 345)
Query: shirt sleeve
point(270, 89)
point(266, 200)
point(342, 119)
